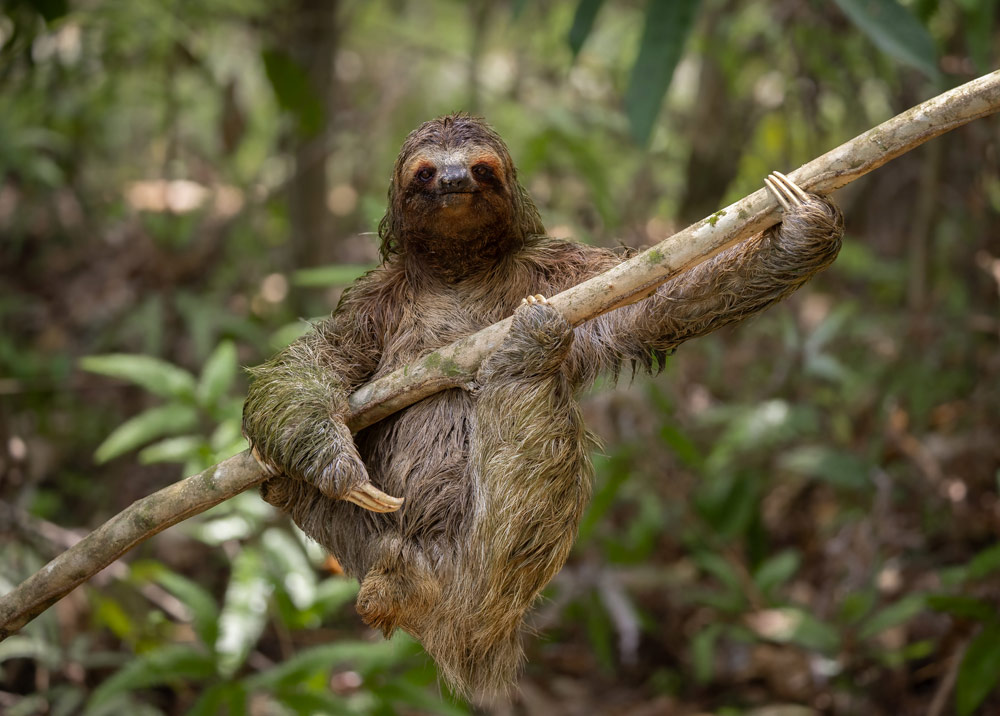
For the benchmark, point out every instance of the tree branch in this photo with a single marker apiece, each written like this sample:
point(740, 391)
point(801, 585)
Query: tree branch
point(455, 365)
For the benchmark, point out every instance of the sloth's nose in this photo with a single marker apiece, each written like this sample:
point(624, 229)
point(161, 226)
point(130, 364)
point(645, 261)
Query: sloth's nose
point(455, 177)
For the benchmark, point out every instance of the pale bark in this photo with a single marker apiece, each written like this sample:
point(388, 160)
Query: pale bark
point(456, 364)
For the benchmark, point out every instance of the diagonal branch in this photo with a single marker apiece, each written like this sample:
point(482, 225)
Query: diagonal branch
point(455, 365)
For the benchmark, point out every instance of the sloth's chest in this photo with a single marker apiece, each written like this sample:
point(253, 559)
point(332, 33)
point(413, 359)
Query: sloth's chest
point(435, 321)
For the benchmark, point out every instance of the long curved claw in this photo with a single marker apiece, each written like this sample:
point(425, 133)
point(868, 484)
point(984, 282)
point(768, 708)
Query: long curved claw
point(795, 188)
point(372, 498)
point(788, 194)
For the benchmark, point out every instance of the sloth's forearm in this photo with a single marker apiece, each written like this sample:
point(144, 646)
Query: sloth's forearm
point(295, 401)
point(739, 282)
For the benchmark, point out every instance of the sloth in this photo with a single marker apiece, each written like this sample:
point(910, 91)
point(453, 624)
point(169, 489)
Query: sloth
point(455, 512)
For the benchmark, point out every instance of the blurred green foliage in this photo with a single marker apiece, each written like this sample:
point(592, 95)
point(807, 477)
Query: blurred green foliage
point(800, 511)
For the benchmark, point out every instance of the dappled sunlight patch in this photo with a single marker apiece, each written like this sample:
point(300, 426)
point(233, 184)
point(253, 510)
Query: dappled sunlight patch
point(182, 196)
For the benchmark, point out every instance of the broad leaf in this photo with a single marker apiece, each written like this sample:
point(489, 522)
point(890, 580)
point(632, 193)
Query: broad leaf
point(289, 560)
point(980, 670)
point(985, 563)
point(244, 613)
point(668, 24)
point(893, 615)
point(812, 633)
point(155, 422)
point(703, 652)
point(790, 625)
point(204, 611)
point(294, 91)
point(962, 606)
point(895, 31)
point(776, 570)
point(363, 657)
point(155, 375)
point(583, 22)
point(177, 449)
point(29, 647)
point(839, 468)
point(227, 697)
point(721, 569)
point(218, 374)
point(174, 662)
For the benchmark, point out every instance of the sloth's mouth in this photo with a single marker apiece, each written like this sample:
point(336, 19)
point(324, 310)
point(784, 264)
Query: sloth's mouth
point(457, 191)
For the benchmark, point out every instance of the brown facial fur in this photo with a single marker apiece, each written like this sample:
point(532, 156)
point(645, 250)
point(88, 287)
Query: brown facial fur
point(456, 234)
point(495, 479)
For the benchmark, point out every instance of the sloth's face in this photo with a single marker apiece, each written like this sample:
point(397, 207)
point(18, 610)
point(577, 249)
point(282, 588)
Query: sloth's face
point(456, 192)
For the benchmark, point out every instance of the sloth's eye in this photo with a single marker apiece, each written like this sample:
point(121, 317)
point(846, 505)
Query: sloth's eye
point(482, 171)
point(425, 174)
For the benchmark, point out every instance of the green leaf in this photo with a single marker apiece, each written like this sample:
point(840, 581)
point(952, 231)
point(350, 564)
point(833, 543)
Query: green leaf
point(985, 563)
point(838, 320)
point(893, 615)
point(791, 625)
point(703, 652)
point(728, 502)
point(857, 605)
point(334, 593)
point(681, 446)
point(217, 375)
point(362, 656)
point(244, 612)
point(294, 91)
point(418, 697)
point(216, 698)
point(600, 633)
point(776, 570)
point(288, 559)
point(962, 606)
point(979, 24)
point(173, 662)
point(895, 31)
point(668, 24)
point(836, 467)
point(814, 634)
point(111, 614)
point(583, 22)
point(27, 647)
point(287, 333)
point(204, 610)
point(226, 440)
point(613, 472)
point(170, 418)
point(979, 671)
point(570, 142)
point(177, 449)
point(721, 569)
point(155, 375)
point(332, 275)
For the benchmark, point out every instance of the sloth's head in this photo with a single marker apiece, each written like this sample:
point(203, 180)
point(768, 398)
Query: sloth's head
point(455, 196)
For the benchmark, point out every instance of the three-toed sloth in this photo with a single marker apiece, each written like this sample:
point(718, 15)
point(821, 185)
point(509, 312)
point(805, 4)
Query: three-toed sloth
point(494, 479)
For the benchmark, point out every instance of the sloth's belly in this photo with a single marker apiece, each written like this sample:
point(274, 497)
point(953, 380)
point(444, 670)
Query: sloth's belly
point(422, 454)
